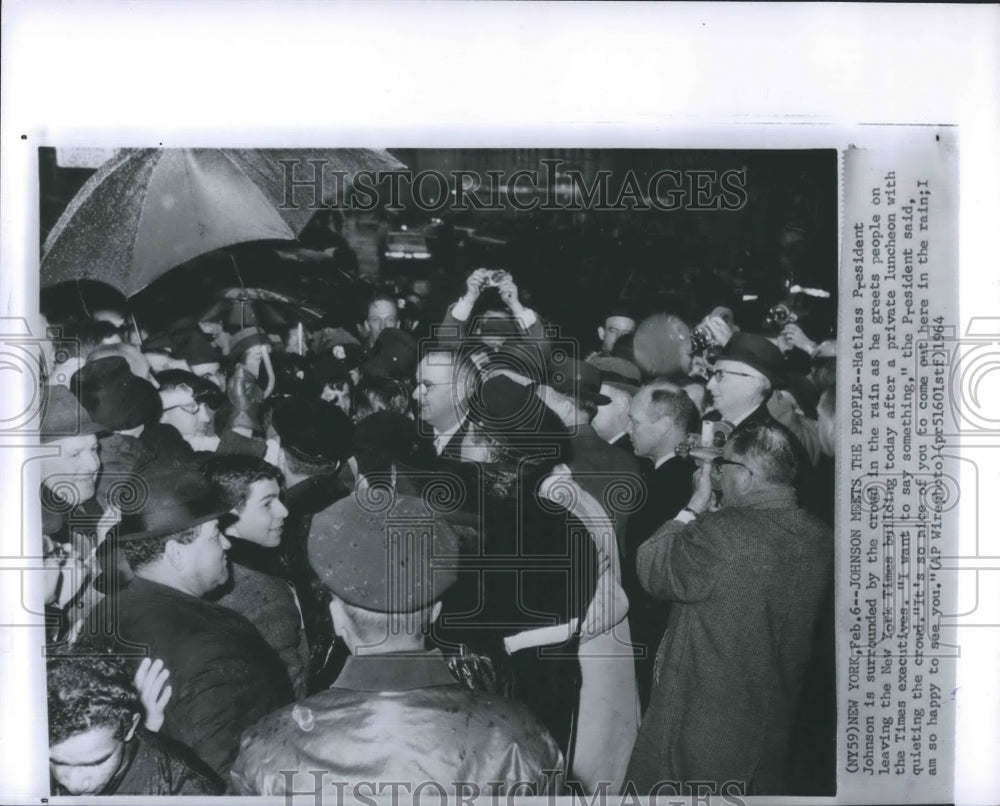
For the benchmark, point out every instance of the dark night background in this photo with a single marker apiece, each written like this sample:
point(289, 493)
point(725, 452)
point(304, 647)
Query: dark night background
point(573, 265)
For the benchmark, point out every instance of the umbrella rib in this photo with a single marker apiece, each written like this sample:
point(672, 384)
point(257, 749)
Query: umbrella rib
point(142, 214)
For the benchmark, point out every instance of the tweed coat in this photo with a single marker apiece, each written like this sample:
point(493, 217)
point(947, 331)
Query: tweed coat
point(747, 583)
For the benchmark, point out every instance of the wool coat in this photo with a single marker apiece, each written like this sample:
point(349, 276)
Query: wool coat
point(747, 583)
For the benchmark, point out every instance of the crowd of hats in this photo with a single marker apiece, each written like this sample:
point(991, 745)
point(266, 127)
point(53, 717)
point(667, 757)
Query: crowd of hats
point(351, 544)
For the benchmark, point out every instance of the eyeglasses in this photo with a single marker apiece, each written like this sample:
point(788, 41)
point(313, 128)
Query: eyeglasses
point(190, 408)
point(717, 374)
point(718, 463)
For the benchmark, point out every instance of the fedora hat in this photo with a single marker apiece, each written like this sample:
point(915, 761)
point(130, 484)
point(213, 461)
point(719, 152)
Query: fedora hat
point(168, 500)
point(313, 430)
point(576, 379)
point(758, 353)
point(64, 417)
point(114, 397)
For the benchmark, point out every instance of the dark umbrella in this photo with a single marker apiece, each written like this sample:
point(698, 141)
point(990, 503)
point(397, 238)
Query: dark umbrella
point(244, 307)
point(146, 211)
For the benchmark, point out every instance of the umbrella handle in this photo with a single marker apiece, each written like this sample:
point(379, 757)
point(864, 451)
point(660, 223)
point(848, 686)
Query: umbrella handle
point(266, 359)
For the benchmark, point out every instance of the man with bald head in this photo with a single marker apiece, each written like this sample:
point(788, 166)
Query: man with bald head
point(746, 581)
point(660, 417)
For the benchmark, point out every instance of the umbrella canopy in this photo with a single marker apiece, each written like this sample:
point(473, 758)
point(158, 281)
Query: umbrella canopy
point(244, 307)
point(148, 210)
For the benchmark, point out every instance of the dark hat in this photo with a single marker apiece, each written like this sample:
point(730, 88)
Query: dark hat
point(329, 337)
point(497, 326)
point(244, 339)
point(391, 559)
point(394, 355)
point(623, 308)
point(758, 353)
point(115, 397)
point(203, 390)
point(576, 379)
point(63, 416)
point(293, 375)
point(503, 404)
point(616, 370)
point(524, 357)
point(313, 430)
point(194, 347)
point(167, 501)
point(383, 439)
point(334, 364)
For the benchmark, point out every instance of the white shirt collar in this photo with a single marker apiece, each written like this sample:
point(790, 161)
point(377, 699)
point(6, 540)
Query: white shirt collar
point(441, 438)
point(744, 415)
point(663, 460)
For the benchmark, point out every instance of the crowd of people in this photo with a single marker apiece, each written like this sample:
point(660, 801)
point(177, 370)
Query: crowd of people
point(472, 552)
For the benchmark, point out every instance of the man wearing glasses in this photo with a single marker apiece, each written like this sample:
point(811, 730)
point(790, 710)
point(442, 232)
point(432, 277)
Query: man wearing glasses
point(445, 380)
point(747, 370)
point(747, 580)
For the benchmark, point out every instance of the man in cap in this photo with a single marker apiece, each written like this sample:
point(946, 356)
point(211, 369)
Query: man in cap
point(572, 389)
point(259, 588)
point(315, 439)
point(660, 418)
point(746, 584)
point(395, 713)
point(223, 674)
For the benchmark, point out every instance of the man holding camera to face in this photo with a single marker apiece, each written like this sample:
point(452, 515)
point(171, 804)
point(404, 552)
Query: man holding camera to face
point(747, 580)
point(495, 323)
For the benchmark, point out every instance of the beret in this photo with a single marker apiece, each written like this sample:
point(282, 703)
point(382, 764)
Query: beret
point(388, 554)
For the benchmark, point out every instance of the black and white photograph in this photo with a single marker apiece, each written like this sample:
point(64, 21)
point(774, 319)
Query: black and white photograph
point(425, 465)
point(379, 425)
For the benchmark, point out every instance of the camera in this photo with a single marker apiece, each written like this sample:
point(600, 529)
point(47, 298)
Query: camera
point(494, 277)
point(703, 343)
point(780, 315)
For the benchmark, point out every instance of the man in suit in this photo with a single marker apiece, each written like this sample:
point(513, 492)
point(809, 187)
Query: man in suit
point(572, 390)
point(747, 582)
point(660, 418)
point(745, 375)
point(611, 420)
point(445, 380)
